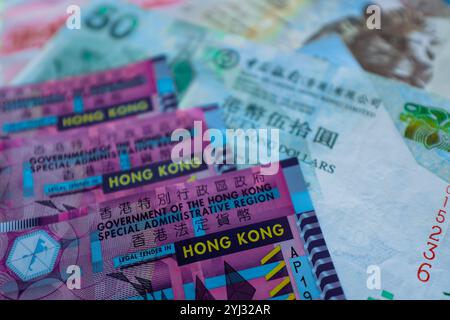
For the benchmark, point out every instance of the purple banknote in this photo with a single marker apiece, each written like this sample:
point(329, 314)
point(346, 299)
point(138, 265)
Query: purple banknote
point(91, 99)
point(56, 173)
point(241, 235)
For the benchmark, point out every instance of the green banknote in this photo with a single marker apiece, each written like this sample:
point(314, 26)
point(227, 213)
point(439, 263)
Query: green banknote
point(112, 34)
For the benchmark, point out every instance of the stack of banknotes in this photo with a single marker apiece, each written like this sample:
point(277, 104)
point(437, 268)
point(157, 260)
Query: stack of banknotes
point(93, 204)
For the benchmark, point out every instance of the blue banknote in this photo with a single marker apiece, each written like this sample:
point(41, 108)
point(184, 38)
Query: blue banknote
point(423, 121)
point(332, 49)
point(411, 45)
point(380, 207)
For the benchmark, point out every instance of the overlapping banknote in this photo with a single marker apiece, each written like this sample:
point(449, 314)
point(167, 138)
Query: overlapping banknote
point(368, 149)
point(380, 159)
point(412, 44)
point(242, 235)
point(56, 173)
point(355, 151)
point(22, 39)
point(49, 107)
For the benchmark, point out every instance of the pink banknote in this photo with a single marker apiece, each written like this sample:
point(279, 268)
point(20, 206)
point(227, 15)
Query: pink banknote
point(52, 174)
point(238, 236)
point(48, 107)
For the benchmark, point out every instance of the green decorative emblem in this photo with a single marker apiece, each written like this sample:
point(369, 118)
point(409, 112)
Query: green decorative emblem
point(427, 125)
point(226, 58)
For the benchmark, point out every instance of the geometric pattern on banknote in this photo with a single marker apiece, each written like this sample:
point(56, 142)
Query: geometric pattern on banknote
point(427, 125)
point(23, 278)
point(201, 292)
point(142, 286)
point(279, 271)
point(241, 284)
point(237, 287)
point(319, 256)
point(33, 255)
point(68, 238)
point(72, 239)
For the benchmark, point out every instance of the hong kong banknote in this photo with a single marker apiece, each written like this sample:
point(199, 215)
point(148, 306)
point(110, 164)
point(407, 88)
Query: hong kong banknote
point(74, 102)
point(52, 174)
point(122, 31)
point(412, 44)
point(22, 39)
point(239, 236)
point(414, 36)
point(423, 120)
point(264, 21)
point(372, 176)
point(112, 34)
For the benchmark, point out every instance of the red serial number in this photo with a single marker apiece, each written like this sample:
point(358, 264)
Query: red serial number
point(423, 272)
